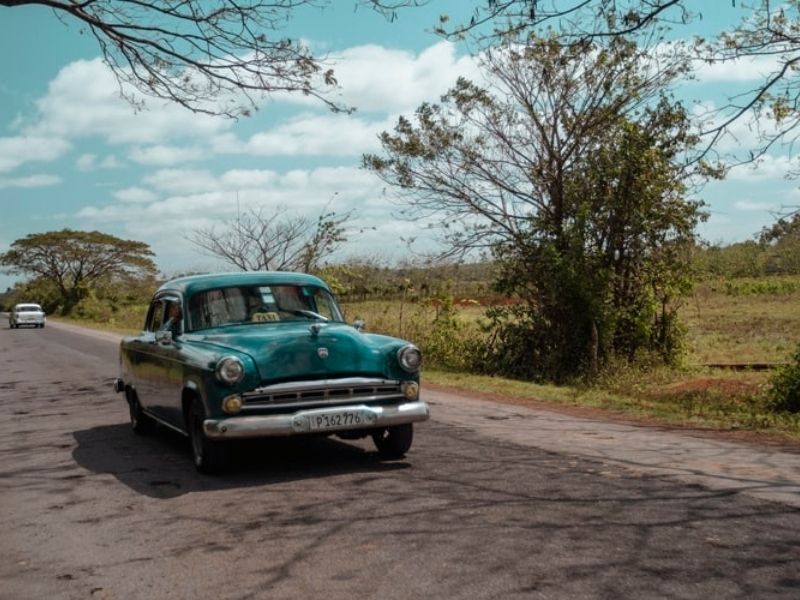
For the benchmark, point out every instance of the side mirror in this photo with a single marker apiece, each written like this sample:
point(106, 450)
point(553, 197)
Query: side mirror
point(164, 337)
point(359, 324)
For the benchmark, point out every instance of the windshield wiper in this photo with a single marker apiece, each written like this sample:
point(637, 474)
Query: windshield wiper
point(305, 313)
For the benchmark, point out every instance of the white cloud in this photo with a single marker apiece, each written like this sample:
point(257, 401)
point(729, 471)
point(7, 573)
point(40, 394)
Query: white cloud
point(341, 189)
point(724, 229)
point(16, 151)
point(164, 156)
point(238, 179)
point(336, 179)
point(135, 195)
point(751, 206)
point(86, 162)
point(375, 78)
point(767, 167)
point(110, 162)
point(84, 100)
point(182, 181)
point(318, 185)
point(739, 70)
point(304, 135)
point(743, 135)
point(32, 181)
point(295, 179)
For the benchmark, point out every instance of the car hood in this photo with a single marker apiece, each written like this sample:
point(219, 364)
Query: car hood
point(285, 351)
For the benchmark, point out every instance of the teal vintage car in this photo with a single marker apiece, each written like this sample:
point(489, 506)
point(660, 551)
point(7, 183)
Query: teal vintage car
point(257, 354)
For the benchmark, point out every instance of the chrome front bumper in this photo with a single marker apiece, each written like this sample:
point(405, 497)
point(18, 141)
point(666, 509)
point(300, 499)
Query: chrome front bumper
point(299, 422)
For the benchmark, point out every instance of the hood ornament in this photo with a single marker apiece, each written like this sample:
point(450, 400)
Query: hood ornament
point(314, 329)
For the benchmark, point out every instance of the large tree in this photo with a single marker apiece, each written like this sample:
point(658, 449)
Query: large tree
point(569, 166)
point(274, 240)
point(74, 260)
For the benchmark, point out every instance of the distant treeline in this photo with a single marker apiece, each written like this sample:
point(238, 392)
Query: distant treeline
point(775, 251)
point(734, 266)
point(358, 281)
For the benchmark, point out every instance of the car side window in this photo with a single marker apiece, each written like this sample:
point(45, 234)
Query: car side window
point(173, 316)
point(155, 316)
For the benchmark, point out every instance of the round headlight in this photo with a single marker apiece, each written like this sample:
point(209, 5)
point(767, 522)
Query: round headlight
point(410, 358)
point(230, 370)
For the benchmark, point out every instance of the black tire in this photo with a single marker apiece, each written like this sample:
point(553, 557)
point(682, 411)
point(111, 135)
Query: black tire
point(394, 442)
point(140, 422)
point(209, 456)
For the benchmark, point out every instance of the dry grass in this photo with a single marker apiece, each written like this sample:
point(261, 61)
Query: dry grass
point(722, 328)
point(753, 328)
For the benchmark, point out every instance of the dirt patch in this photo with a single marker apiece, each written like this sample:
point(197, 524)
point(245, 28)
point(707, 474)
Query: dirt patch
point(732, 387)
point(774, 441)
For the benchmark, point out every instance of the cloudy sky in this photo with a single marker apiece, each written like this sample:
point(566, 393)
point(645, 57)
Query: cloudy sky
point(73, 154)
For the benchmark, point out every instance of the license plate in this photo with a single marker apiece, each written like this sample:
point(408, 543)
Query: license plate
point(341, 419)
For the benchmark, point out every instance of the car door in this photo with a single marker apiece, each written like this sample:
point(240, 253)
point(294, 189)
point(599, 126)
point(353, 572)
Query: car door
point(158, 364)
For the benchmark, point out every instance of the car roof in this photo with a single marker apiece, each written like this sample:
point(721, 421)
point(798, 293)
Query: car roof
point(27, 304)
point(197, 283)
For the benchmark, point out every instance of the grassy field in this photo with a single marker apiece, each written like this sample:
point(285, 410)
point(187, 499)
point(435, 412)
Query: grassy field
point(750, 323)
point(728, 326)
point(723, 325)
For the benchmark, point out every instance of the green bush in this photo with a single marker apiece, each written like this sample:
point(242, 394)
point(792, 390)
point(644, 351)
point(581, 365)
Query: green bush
point(785, 390)
point(448, 342)
point(94, 309)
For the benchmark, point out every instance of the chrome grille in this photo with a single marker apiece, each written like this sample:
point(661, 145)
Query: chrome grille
point(323, 391)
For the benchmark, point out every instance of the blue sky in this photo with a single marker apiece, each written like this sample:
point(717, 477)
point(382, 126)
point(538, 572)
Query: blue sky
point(73, 154)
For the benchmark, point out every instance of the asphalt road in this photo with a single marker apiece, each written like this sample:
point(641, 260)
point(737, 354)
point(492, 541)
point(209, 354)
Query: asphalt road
point(490, 503)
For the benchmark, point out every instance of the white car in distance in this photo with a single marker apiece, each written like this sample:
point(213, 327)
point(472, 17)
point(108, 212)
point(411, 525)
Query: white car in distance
point(26, 314)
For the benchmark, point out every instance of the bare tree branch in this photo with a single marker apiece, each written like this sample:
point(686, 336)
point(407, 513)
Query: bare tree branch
point(217, 57)
point(261, 240)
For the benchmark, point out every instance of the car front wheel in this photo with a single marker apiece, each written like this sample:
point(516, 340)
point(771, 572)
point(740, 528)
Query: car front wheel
point(394, 442)
point(209, 456)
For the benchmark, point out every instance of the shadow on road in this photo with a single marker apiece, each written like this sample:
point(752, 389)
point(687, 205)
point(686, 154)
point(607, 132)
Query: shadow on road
point(160, 465)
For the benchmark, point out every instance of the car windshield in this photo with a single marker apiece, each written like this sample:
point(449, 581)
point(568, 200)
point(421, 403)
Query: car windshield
point(261, 304)
point(29, 308)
